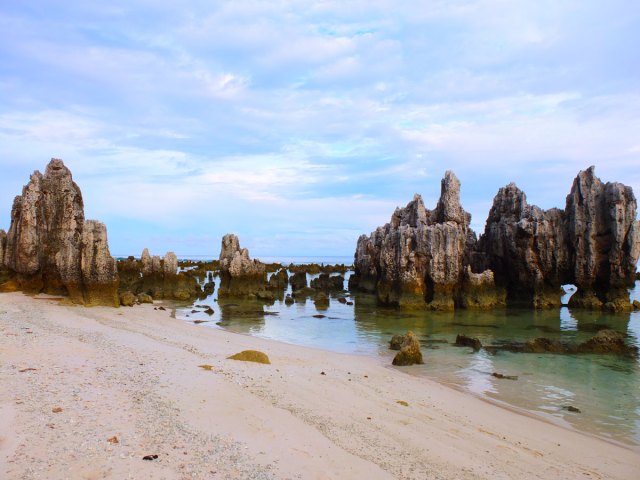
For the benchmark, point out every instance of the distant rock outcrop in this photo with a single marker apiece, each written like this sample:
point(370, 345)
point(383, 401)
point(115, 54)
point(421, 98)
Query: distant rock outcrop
point(158, 277)
point(51, 248)
point(239, 274)
point(430, 259)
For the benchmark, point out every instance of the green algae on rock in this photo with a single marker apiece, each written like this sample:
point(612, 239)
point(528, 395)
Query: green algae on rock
point(251, 356)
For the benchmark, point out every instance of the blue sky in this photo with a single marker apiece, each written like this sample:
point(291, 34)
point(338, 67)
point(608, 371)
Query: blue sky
point(301, 125)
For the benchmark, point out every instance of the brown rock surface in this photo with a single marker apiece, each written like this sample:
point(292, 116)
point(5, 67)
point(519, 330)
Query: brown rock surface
point(239, 274)
point(604, 237)
point(51, 248)
point(430, 259)
point(98, 267)
point(418, 259)
point(410, 353)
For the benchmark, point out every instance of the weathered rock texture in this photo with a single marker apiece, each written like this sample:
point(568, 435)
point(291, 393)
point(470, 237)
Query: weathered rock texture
point(593, 243)
point(51, 248)
point(420, 258)
point(239, 275)
point(526, 248)
point(410, 353)
point(3, 247)
point(431, 259)
point(157, 277)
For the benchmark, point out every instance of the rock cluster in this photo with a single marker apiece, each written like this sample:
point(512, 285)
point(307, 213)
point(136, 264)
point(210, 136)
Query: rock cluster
point(431, 259)
point(157, 277)
point(421, 257)
point(51, 248)
point(239, 274)
point(593, 243)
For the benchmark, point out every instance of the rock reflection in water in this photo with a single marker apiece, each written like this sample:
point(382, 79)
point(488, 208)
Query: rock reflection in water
point(603, 387)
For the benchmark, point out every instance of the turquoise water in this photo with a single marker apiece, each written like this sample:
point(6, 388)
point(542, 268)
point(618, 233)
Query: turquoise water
point(606, 389)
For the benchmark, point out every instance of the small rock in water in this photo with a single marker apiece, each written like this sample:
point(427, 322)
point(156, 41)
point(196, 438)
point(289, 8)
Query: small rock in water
point(409, 353)
point(506, 377)
point(464, 341)
point(571, 408)
point(319, 316)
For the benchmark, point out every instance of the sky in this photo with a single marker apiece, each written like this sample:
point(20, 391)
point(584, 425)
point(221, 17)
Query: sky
point(300, 125)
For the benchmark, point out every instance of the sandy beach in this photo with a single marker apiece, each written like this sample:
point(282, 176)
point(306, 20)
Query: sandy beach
point(88, 392)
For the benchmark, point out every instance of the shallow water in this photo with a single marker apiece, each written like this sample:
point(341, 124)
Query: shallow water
point(605, 388)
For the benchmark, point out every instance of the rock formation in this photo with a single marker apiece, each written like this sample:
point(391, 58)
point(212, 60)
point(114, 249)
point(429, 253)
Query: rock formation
point(50, 248)
point(328, 283)
point(593, 243)
point(604, 241)
point(430, 259)
point(239, 275)
point(525, 247)
point(410, 353)
point(157, 277)
point(3, 247)
point(98, 267)
point(420, 258)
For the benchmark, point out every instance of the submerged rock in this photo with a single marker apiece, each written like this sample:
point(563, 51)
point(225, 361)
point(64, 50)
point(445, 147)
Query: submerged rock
point(51, 248)
point(608, 342)
point(298, 281)
point(464, 341)
point(410, 353)
point(328, 283)
point(605, 342)
point(321, 301)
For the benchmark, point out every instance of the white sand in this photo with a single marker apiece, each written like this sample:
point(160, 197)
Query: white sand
point(133, 373)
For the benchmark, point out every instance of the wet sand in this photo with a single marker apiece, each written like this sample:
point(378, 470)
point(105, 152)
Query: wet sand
point(88, 392)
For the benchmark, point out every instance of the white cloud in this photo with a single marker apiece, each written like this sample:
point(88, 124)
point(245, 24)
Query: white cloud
point(299, 117)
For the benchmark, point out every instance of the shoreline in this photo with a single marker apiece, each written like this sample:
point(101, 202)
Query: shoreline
point(550, 419)
point(133, 373)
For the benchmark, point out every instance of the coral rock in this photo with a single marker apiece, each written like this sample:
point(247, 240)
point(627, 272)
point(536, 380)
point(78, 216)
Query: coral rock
point(410, 353)
point(51, 248)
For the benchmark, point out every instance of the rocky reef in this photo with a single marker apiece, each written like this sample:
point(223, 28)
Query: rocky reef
point(420, 258)
point(156, 277)
point(431, 259)
point(593, 243)
point(239, 274)
point(51, 248)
